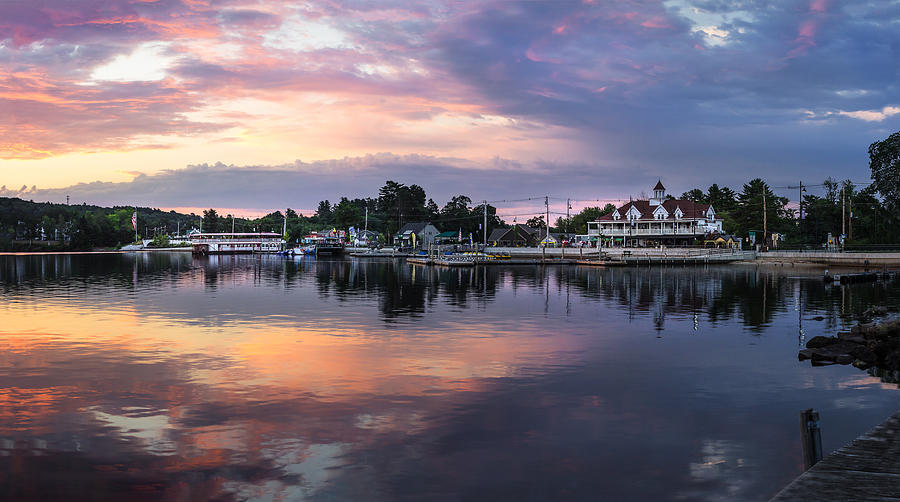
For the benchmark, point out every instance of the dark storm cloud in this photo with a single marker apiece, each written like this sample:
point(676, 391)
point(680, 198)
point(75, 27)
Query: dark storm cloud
point(641, 72)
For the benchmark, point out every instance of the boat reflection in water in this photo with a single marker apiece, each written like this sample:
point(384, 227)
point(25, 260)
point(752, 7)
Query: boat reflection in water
point(162, 376)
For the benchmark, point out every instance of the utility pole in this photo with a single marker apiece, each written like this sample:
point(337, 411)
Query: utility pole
point(568, 221)
point(850, 219)
point(67, 200)
point(484, 203)
point(367, 220)
point(232, 223)
point(547, 206)
point(765, 218)
point(843, 214)
point(800, 218)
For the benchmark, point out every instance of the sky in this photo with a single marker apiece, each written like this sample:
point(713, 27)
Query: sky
point(257, 105)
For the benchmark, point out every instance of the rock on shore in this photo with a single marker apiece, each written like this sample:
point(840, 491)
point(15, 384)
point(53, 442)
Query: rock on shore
point(864, 346)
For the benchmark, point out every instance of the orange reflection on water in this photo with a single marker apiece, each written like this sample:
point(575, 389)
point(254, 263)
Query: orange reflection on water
point(324, 358)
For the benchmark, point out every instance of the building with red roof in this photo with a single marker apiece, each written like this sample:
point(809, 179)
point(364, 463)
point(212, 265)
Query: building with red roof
point(659, 220)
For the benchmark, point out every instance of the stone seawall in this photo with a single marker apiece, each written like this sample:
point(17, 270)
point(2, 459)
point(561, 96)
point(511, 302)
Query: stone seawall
point(625, 253)
point(832, 258)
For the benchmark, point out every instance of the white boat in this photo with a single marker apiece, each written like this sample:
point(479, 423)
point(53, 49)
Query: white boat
point(236, 243)
point(327, 242)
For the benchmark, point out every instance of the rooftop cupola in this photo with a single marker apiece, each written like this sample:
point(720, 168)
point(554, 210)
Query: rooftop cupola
point(659, 191)
point(659, 194)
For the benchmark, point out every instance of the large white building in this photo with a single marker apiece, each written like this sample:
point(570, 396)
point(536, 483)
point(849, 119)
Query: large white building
point(656, 221)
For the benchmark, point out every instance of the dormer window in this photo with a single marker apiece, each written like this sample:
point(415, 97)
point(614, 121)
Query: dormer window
point(678, 213)
point(660, 213)
point(633, 213)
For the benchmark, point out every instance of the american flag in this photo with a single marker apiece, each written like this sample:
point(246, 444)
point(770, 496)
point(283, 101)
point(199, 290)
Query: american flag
point(134, 220)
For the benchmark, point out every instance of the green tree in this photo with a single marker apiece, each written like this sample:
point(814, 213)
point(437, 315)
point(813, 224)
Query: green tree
point(536, 222)
point(580, 220)
point(477, 219)
point(211, 222)
point(721, 199)
point(324, 214)
point(456, 214)
point(884, 161)
point(346, 214)
point(748, 214)
point(695, 195)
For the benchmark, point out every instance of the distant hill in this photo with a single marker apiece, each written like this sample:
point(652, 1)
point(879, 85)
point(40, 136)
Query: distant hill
point(82, 226)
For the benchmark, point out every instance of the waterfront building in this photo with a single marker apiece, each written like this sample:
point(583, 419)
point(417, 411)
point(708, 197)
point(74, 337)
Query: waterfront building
point(518, 235)
point(364, 237)
point(424, 232)
point(658, 220)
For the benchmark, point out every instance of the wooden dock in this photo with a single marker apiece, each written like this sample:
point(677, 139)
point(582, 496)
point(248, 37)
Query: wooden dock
point(866, 469)
point(860, 277)
point(457, 262)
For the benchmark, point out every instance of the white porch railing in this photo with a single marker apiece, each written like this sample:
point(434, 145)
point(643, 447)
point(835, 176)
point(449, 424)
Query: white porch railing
point(645, 232)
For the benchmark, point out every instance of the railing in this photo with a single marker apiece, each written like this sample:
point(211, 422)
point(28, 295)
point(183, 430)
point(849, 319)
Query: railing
point(648, 231)
point(236, 241)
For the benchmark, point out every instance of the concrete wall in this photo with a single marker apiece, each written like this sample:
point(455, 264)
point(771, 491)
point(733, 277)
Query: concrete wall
point(832, 258)
point(536, 252)
point(617, 252)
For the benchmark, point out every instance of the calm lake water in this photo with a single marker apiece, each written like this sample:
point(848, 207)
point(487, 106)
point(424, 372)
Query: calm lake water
point(167, 377)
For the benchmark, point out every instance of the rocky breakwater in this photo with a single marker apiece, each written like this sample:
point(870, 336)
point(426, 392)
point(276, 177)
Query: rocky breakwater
point(866, 345)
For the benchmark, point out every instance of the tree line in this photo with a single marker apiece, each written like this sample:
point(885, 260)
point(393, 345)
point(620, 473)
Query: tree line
point(395, 205)
point(865, 214)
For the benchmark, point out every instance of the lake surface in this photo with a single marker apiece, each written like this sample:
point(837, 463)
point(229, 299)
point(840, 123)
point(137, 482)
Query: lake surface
point(167, 377)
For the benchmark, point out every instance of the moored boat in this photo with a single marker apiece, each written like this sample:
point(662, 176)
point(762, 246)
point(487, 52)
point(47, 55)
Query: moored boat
point(236, 243)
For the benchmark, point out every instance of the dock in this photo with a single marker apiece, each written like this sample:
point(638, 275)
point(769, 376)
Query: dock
point(860, 277)
point(866, 469)
point(471, 262)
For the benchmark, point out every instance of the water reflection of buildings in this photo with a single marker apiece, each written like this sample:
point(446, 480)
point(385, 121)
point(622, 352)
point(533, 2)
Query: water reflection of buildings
point(749, 294)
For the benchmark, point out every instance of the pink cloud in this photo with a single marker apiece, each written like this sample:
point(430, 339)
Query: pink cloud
point(656, 22)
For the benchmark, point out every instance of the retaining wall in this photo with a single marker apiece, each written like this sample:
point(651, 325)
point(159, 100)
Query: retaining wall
point(832, 258)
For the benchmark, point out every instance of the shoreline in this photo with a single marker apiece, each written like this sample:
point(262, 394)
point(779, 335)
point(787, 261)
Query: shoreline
point(617, 257)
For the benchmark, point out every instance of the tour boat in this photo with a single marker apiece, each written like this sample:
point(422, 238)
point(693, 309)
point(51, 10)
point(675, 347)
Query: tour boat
point(236, 243)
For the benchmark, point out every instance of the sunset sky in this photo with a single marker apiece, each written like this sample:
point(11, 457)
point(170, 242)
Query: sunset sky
point(259, 105)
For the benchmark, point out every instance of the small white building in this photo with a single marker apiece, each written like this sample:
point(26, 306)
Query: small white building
point(419, 234)
point(656, 221)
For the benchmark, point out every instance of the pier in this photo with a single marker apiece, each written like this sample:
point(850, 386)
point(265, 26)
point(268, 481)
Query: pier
point(448, 261)
point(866, 469)
point(860, 277)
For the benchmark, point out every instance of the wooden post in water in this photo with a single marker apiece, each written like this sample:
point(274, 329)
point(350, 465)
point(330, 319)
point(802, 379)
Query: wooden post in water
point(543, 254)
point(810, 437)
